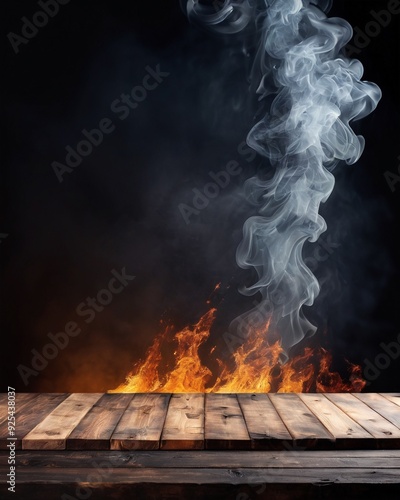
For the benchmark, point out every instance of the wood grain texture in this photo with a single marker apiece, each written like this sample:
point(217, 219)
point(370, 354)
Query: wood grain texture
point(52, 432)
point(225, 427)
point(394, 397)
point(22, 401)
point(380, 428)
point(28, 417)
point(206, 475)
point(309, 464)
point(3, 407)
point(94, 431)
point(380, 459)
point(142, 423)
point(381, 405)
point(184, 423)
point(264, 425)
point(213, 421)
point(307, 431)
point(346, 432)
point(279, 490)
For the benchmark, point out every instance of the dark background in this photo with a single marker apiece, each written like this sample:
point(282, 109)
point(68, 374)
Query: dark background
point(119, 208)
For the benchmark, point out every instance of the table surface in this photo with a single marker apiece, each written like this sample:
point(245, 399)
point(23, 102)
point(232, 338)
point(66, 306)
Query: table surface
point(156, 421)
point(202, 446)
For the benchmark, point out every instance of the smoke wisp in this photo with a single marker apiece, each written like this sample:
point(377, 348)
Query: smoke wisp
point(313, 94)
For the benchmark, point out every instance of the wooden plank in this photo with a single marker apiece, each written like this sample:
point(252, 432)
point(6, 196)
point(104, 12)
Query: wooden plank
point(22, 400)
point(225, 427)
point(184, 424)
point(394, 397)
point(94, 431)
point(279, 490)
point(379, 459)
point(29, 417)
point(302, 424)
point(52, 432)
point(234, 422)
point(375, 424)
point(381, 405)
point(264, 425)
point(141, 425)
point(347, 432)
point(88, 476)
point(3, 407)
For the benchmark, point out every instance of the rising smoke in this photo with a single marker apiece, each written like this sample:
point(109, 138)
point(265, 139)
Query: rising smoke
point(312, 92)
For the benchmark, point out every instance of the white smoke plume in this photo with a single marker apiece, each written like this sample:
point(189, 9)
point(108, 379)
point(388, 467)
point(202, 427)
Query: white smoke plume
point(315, 93)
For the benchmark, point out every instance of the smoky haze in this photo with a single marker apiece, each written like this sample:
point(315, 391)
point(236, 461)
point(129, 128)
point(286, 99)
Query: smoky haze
point(120, 207)
point(306, 131)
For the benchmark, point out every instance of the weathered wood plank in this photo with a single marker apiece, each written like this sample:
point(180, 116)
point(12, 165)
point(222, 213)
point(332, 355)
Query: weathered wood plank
point(375, 424)
point(381, 405)
point(22, 400)
point(142, 423)
point(94, 431)
point(321, 476)
point(155, 491)
point(302, 424)
point(347, 432)
point(52, 432)
point(264, 425)
point(225, 427)
point(394, 397)
point(3, 407)
point(28, 417)
point(184, 423)
point(245, 421)
point(380, 459)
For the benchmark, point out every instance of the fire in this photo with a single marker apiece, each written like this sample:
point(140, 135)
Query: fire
point(255, 366)
point(188, 373)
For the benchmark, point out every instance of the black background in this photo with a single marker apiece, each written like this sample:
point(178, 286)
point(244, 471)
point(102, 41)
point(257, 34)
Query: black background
point(119, 208)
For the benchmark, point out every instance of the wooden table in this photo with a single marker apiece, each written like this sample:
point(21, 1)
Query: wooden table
point(236, 446)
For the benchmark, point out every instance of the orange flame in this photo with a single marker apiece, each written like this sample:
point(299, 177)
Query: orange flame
point(188, 374)
point(255, 367)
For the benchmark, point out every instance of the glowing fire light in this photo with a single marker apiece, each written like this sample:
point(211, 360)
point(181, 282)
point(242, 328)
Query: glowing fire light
point(256, 367)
